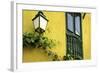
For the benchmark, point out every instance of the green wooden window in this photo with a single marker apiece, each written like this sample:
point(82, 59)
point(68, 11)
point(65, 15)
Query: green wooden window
point(74, 36)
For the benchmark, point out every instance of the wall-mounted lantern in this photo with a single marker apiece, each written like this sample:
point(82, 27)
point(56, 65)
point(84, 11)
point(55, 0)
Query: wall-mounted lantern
point(40, 22)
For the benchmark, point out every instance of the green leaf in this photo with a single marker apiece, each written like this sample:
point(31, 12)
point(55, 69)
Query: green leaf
point(36, 40)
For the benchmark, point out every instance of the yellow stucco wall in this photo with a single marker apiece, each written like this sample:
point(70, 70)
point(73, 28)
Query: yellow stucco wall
point(55, 30)
point(86, 34)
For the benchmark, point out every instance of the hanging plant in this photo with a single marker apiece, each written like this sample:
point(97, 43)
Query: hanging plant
point(35, 40)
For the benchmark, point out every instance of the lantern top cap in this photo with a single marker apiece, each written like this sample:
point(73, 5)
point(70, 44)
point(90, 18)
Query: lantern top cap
point(40, 13)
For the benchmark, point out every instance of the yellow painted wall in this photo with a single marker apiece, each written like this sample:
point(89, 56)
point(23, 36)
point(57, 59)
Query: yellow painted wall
point(55, 30)
point(86, 32)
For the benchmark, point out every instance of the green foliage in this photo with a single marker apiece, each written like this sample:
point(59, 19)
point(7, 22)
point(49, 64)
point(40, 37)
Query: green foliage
point(52, 54)
point(36, 40)
point(56, 57)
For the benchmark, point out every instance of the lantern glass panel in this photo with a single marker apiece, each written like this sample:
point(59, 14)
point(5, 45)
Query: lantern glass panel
point(43, 23)
point(36, 22)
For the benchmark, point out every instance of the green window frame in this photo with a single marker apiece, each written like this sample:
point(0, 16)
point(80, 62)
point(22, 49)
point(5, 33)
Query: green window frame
point(74, 36)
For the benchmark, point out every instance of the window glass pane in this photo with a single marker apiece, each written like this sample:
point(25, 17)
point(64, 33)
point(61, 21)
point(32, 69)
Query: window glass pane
point(70, 22)
point(77, 25)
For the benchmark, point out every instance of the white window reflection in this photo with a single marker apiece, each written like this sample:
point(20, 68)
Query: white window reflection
point(77, 25)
